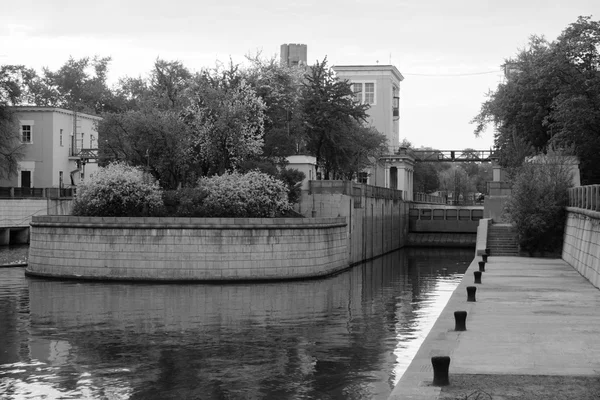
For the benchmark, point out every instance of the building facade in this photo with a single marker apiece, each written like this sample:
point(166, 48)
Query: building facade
point(293, 54)
point(379, 87)
point(59, 147)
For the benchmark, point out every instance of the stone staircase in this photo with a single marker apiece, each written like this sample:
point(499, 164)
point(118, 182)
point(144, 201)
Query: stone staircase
point(502, 240)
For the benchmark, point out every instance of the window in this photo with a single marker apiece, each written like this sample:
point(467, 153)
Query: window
point(369, 93)
point(61, 137)
point(357, 88)
point(26, 133)
point(364, 92)
point(60, 178)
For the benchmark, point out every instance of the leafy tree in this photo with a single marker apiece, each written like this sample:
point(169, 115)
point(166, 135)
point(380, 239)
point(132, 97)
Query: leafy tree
point(329, 111)
point(426, 179)
point(280, 89)
point(358, 148)
point(226, 124)
point(551, 97)
point(78, 85)
point(11, 93)
point(537, 204)
point(456, 181)
point(118, 190)
point(149, 138)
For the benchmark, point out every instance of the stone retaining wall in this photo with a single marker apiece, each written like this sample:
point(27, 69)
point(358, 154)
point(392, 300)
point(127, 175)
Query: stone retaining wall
point(581, 246)
point(187, 248)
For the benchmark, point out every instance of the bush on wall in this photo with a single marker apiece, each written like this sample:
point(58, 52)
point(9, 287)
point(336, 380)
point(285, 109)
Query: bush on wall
point(118, 190)
point(537, 205)
point(253, 194)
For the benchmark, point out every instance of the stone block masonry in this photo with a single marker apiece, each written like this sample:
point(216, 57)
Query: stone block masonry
point(581, 246)
point(187, 249)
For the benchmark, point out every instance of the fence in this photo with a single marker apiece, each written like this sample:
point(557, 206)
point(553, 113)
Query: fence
point(427, 198)
point(40, 193)
point(586, 197)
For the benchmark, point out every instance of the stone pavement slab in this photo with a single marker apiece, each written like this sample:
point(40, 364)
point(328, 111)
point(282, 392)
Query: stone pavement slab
point(532, 316)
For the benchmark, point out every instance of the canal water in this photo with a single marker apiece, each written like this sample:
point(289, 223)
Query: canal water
point(349, 336)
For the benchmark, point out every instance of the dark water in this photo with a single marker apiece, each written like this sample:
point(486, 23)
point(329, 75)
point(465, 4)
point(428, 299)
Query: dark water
point(350, 336)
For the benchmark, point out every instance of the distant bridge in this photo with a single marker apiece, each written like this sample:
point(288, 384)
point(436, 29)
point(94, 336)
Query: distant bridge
point(467, 155)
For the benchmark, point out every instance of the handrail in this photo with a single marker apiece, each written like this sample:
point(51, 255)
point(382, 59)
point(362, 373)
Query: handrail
point(36, 193)
point(585, 197)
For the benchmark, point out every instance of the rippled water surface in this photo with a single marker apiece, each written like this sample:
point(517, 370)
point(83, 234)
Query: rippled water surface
point(350, 336)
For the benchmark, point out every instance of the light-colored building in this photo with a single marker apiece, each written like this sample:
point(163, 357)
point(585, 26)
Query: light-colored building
point(379, 87)
point(59, 147)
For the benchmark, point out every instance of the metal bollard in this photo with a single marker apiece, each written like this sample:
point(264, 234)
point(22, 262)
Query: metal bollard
point(482, 266)
point(441, 364)
point(477, 276)
point(484, 257)
point(471, 293)
point(460, 320)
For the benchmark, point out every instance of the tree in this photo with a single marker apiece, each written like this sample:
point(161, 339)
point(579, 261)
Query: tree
point(456, 181)
point(280, 89)
point(426, 179)
point(78, 85)
point(11, 93)
point(226, 124)
point(329, 111)
point(537, 204)
point(149, 138)
point(551, 97)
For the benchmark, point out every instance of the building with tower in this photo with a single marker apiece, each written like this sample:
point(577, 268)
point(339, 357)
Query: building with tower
point(293, 54)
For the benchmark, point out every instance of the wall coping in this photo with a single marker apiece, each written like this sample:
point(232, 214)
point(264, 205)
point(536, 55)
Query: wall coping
point(186, 223)
point(482, 233)
point(583, 211)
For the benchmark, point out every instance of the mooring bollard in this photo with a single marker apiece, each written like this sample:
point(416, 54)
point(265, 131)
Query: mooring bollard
point(477, 276)
point(460, 319)
point(471, 293)
point(482, 266)
point(441, 364)
point(484, 257)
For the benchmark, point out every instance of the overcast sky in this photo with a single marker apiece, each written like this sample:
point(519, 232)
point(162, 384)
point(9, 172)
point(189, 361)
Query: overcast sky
point(449, 52)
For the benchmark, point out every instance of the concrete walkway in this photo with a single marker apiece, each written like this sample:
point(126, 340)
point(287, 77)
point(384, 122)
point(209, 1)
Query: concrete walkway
point(532, 317)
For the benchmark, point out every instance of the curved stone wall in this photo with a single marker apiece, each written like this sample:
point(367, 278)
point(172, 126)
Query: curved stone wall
point(186, 249)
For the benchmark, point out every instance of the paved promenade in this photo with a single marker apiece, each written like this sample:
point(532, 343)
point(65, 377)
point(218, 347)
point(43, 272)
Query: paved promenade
point(532, 317)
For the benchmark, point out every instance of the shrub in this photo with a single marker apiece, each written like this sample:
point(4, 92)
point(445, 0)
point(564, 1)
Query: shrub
point(537, 204)
point(293, 179)
point(118, 190)
point(185, 202)
point(253, 194)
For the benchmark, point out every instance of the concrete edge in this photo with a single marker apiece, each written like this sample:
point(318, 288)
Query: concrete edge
point(482, 233)
point(442, 340)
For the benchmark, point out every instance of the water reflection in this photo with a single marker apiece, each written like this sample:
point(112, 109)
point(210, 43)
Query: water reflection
point(348, 336)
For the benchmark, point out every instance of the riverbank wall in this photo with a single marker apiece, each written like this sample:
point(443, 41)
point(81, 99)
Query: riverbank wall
point(377, 217)
point(181, 249)
point(581, 245)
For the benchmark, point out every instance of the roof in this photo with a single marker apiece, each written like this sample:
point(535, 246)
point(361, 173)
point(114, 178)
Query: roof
point(54, 109)
point(369, 68)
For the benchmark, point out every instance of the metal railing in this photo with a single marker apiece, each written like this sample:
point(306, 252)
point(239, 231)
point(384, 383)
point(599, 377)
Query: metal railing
point(427, 198)
point(586, 197)
point(33, 193)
